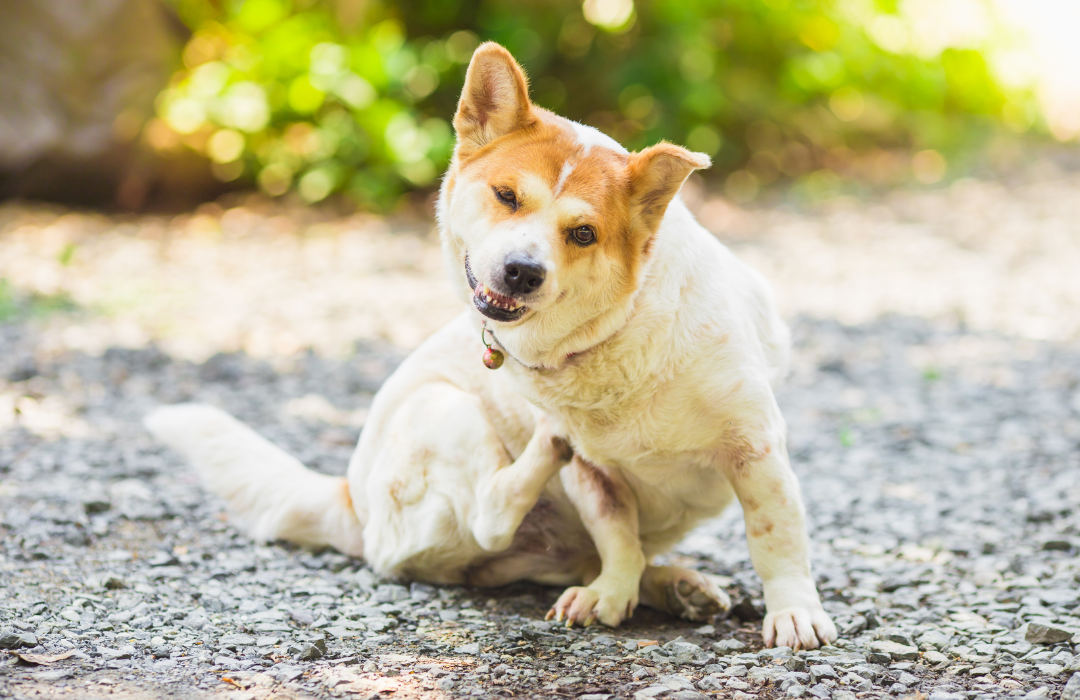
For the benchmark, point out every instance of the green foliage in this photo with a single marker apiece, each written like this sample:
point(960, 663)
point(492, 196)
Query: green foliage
point(356, 96)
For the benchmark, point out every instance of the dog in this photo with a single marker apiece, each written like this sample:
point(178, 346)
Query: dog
point(635, 399)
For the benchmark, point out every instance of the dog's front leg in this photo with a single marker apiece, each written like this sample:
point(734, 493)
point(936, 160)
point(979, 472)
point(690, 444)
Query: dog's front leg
point(776, 532)
point(609, 511)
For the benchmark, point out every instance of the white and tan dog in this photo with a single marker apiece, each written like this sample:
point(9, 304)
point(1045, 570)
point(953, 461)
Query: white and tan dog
point(635, 400)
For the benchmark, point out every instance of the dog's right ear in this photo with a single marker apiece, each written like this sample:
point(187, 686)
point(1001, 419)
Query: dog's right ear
point(494, 101)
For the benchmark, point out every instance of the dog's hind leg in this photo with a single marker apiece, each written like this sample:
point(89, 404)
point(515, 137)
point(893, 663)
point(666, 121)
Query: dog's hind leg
point(443, 492)
point(683, 593)
point(505, 496)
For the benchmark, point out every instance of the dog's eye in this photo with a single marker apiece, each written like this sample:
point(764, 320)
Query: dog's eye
point(584, 235)
point(506, 196)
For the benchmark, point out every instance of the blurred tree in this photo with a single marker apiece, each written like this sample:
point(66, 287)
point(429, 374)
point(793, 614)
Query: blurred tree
point(355, 96)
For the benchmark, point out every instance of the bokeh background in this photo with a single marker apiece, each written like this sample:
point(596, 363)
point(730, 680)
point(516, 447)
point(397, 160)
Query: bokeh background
point(137, 103)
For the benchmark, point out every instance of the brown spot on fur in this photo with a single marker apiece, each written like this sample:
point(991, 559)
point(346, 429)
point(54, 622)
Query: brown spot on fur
point(761, 529)
point(347, 494)
point(395, 492)
point(601, 486)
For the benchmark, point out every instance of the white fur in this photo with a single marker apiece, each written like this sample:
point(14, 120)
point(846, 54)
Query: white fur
point(589, 136)
point(461, 473)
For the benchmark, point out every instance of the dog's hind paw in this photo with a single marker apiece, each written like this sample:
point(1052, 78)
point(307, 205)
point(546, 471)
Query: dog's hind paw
point(696, 600)
point(683, 593)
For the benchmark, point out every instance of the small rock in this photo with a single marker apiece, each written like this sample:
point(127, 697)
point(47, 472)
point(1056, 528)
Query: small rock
point(1039, 693)
point(681, 652)
point(1045, 634)
point(313, 652)
point(688, 695)
point(391, 593)
point(795, 690)
point(1072, 688)
point(859, 683)
point(820, 671)
point(726, 647)
point(897, 652)
point(237, 640)
point(943, 695)
point(96, 505)
point(11, 639)
point(422, 592)
point(286, 673)
point(471, 649)
point(1051, 670)
point(935, 657)
point(795, 664)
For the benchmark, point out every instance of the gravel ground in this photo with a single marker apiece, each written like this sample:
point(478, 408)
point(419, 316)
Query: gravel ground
point(939, 453)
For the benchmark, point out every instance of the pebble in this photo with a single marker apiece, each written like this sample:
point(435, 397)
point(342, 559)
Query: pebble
point(1072, 688)
point(1046, 634)
point(726, 647)
point(895, 651)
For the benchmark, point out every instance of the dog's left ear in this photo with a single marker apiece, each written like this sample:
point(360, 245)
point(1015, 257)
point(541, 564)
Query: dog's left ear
point(494, 101)
point(656, 174)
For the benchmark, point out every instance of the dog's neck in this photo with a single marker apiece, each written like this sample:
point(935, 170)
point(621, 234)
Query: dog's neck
point(584, 338)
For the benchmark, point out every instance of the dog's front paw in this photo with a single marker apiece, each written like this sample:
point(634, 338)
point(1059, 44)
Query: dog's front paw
point(799, 628)
point(584, 605)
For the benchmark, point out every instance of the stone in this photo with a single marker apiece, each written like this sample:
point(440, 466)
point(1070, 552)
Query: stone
point(795, 664)
point(895, 651)
point(943, 695)
point(687, 695)
point(907, 679)
point(237, 640)
point(1045, 634)
point(681, 652)
point(471, 649)
point(1050, 670)
point(726, 647)
point(820, 671)
point(12, 639)
point(935, 658)
point(1072, 688)
point(859, 683)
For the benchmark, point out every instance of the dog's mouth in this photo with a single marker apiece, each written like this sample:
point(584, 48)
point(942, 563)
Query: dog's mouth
point(497, 307)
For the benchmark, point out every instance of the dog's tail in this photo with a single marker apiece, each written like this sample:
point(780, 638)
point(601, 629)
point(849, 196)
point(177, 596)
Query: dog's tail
point(269, 493)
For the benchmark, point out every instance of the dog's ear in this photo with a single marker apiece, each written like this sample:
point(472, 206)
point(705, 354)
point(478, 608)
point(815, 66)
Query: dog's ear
point(656, 174)
point(494, 101)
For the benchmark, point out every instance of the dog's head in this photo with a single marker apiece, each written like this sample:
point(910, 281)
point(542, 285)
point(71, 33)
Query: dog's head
point(547, 224)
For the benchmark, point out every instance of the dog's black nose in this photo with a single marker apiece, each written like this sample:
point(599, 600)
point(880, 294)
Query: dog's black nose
point(523, 275)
